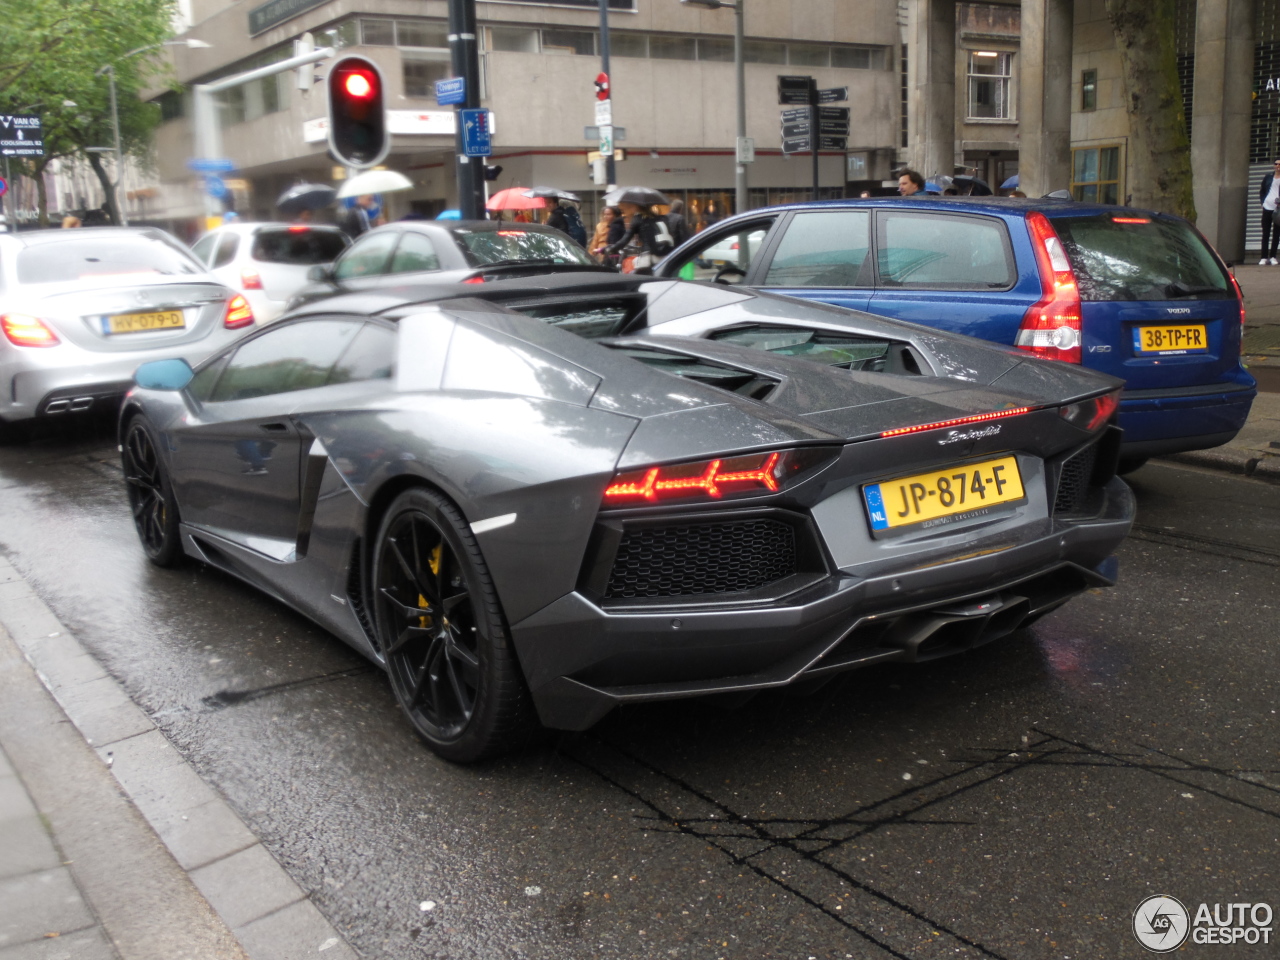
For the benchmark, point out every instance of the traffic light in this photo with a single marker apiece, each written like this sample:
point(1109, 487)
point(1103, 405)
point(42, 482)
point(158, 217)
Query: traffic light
point(357, 112)
point(492, 172)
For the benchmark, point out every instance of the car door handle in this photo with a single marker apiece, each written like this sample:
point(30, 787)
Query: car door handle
point(274, 427)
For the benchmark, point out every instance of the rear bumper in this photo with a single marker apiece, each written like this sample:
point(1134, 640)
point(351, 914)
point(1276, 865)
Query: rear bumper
point(1157, 422)
point(582, 658)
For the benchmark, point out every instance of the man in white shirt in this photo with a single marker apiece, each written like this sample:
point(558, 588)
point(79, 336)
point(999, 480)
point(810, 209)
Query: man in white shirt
point(1269, 194)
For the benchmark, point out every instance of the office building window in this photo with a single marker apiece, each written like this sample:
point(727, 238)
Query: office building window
point(420, 76)
point(419, 33)
point(513, 40)
point(578, 42)
point(990, 79)
point(378, 33)
point(1095, 174)
point(1089, 90)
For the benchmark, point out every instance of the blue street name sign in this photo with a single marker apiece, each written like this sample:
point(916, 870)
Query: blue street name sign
point(476, 141)
point(453, 90)
point(215, 187)
point(211, 164)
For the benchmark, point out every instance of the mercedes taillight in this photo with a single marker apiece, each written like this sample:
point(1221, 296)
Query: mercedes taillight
point(238, 314)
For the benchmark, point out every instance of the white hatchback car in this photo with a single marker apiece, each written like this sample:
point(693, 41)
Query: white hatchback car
point(268, 262)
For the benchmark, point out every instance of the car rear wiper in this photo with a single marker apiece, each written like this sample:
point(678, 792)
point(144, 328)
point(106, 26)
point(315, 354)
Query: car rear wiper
point(1180, 289)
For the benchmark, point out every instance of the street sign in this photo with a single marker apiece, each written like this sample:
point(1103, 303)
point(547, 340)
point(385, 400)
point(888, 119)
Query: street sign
point(606, 139)
point(604, 113)
point(792, 130)
point(833, 113)
point(215, 187)
point(794, 114)
point(211, 165)
point(833, 143)
point(450, 91)
point(835, 128)
point(745, 150)
point(794, 89)
point(796, 145)
point(476, 141)
point(832, 94)
point(20, 135)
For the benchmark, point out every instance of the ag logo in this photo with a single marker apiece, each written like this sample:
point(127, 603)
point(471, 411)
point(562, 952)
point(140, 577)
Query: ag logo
point(1161, 923)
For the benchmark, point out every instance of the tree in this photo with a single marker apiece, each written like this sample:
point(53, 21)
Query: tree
point(69, 41)
point(1159, 150)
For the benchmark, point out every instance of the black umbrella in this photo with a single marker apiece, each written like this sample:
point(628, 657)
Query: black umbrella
point(553, 192)
point(644, 196)
point(972, 186)
point(306, 196)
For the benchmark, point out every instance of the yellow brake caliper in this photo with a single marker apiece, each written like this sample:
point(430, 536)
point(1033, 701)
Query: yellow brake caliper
point(425, 621)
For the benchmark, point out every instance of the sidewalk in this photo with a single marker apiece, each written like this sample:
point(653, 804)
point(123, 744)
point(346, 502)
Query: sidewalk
point(1261, 289)
point(111, 846)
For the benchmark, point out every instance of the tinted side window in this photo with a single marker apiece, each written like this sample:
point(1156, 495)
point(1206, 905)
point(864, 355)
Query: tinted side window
point(367, 257)
point(201, 385)
point(297, 356)
point(226, 250)
point(414, 253)
point(724, 256)
point(943, 251)
point(371, 356)
point(823, 249)
point(204, 247)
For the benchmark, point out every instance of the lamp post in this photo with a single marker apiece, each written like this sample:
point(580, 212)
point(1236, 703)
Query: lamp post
point(191, 43)
point(740, 147)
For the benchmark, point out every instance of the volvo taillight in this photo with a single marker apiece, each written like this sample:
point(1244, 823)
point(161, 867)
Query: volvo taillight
point(27, 331)
point(238, 314)
point(1052, 328)
point(1239, 298)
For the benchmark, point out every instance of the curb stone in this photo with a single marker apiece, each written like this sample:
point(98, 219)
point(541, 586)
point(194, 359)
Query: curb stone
point(266, 911)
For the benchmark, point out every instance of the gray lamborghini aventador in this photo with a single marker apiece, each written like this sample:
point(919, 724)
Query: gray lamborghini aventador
point(532, 503)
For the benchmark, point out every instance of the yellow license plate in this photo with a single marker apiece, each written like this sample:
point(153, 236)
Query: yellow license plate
point(1168, 341)
point(141, 322)
point(943, 496)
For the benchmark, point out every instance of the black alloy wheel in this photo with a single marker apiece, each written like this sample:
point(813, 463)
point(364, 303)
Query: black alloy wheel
point(155, 510)
point(440, 630)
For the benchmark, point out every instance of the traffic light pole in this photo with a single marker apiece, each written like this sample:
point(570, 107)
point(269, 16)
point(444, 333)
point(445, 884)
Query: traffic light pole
point(465, 55)
point(610, 167)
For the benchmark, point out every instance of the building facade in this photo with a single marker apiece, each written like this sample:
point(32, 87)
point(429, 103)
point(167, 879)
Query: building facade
point(673, 87)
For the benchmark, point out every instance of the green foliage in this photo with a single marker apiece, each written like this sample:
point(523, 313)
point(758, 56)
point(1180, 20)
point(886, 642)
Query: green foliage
point(50, 51)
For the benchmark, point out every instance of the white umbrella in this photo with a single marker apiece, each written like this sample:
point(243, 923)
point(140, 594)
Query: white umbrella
point(374, 181)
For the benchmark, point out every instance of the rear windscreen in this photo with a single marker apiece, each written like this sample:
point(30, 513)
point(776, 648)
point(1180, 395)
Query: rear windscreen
point(113, 255)
point(303, 248)
point(1132, 257)
point(505, 246)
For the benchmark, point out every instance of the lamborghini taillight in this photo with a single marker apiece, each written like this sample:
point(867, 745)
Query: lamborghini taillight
point(754, 473)
point(1092, 414)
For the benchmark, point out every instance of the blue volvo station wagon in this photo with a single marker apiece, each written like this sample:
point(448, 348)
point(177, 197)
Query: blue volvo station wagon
point(1132, 293)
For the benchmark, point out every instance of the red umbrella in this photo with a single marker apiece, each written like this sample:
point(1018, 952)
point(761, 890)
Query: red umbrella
point(513, 198)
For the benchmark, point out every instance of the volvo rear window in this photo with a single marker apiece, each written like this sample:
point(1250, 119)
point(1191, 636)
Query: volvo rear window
point(1123, 256)
point(86, 256)
point(299, 247)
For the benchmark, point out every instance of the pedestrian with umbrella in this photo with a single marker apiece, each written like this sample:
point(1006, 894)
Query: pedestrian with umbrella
point(562, 215)
point(302, 200)
point(646, 229)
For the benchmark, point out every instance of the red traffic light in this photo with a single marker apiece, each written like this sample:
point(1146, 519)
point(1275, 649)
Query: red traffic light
point(360, 84)
point(602, 86)
point(358, 135)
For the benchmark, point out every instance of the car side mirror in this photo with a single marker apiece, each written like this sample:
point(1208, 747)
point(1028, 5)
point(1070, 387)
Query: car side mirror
point(164, 374)
point(320, 273)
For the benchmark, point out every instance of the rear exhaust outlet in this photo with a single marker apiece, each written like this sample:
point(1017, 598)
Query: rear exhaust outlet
point(948, 630)
point(80, 403)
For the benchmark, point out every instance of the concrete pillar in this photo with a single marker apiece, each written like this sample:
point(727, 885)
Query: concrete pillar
point(1221, 115)
point(932, 75)
point(1044, 96)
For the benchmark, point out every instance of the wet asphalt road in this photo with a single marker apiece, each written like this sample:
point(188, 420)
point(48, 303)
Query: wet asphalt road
point(1017, 801)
